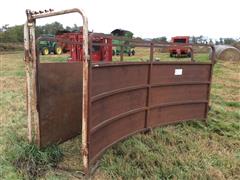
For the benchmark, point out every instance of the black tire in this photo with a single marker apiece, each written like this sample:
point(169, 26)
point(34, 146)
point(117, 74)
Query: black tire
point(133, 52)
point(45, 51)
point(113, 53)
point(58, 50)
point(129, 53)
point(171, 55)
point(189, 54)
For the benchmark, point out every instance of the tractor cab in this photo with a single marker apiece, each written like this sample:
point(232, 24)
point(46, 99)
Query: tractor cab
point(127, 49)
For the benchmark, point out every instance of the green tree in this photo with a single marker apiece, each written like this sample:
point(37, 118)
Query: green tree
point(161, 39)
point(229, 41)
point(221, 41)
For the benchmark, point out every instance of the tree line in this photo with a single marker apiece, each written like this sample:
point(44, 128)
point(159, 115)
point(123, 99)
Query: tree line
point(14, 34)
point(204, 40)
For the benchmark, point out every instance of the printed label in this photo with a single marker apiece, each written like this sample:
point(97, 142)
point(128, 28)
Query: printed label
point(178, 72)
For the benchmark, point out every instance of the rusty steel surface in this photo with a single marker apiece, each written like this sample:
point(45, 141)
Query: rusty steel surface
point(60, 101)
point(131, 97)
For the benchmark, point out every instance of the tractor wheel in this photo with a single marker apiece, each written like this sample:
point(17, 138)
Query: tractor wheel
point(45, 51)
point(58, 50)
point(133, 52)
point(189, 54)
point(129, 53)
point(113, 52)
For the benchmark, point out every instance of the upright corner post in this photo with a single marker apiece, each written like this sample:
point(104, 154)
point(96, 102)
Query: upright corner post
point(31, 76)
point(28, 80)
point(34, 83)
point(151, 51)
point(85, 97)
point(213, 55)
point(213, 61)
point(192, 54)
point(121, 52)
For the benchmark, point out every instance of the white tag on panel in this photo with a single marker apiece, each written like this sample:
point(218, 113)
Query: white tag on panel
point(178, 72)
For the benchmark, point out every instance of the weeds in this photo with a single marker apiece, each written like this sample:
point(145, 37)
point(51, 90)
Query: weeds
point(28, 159)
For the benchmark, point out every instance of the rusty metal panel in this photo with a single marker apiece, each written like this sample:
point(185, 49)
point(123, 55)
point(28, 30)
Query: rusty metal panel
point(131, 97)
point(114, 76)
point(163, 73)
point(118, 103)
point(60, 101)
point(178, 93)
point(115, 131)
point(168, 114)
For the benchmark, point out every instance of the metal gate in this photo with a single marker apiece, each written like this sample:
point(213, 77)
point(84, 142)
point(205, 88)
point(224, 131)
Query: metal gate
point(107, 102)
point(127, 98)
point(59, 101)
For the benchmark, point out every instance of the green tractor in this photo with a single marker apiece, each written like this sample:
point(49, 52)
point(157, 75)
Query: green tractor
point(48, 47)
point(129, 50)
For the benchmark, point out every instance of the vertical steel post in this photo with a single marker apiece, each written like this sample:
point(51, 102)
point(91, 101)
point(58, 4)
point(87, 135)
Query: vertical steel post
point(149, 85)
point(28, 80)
point(213, 61)
point(34, 82)
point(121, 52)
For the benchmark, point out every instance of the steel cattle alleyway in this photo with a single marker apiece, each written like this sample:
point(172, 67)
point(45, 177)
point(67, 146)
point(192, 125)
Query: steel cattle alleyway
point(107, 102)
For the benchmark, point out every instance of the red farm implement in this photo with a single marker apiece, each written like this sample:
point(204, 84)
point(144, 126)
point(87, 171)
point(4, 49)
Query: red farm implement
point(99, 53)
point(107, 102)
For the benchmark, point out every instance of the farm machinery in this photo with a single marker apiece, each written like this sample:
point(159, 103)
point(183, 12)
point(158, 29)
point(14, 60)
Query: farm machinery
point(47, 47)
point(180, 49)
point(129, 50)
point(62, 42)
point(98, 53)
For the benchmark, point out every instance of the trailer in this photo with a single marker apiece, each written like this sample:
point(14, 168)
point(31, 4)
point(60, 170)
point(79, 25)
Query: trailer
point(106, 102)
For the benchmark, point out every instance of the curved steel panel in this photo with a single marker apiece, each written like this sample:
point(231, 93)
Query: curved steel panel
point(113, 132)
point(176, 113)
point(131, 97)
point(117, 104)
point(116, 76)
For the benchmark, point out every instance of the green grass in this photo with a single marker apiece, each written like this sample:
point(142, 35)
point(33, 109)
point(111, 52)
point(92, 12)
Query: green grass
point(190, 150)
point(27, 159)
point(54, 58)
point(143, 54)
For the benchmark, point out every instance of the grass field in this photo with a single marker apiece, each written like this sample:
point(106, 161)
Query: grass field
point(190, 150)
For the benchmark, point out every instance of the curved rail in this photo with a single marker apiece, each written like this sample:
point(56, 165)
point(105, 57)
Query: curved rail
point(130, 97)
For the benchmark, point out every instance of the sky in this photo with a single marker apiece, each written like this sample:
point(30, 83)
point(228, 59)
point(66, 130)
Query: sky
point(145, 18)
